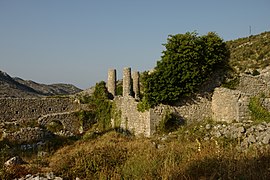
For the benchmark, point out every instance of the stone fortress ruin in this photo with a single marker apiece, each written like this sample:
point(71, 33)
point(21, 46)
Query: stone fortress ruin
point(221, 104)
point(130, 118)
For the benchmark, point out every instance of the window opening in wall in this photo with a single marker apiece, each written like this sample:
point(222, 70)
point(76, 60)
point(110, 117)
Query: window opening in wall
point(17, 112)
point(33, 110)
point(50, 109)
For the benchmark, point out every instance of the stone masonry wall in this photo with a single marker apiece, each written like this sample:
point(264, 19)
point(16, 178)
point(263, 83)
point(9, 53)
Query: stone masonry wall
point(131, 119)
point(254, 85)
point(221, 105)
point(230, 105)
point(16, 109)
point(38, 111)
point(196, 109)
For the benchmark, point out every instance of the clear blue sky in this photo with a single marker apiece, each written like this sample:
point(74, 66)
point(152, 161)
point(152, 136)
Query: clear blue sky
point(76, 41)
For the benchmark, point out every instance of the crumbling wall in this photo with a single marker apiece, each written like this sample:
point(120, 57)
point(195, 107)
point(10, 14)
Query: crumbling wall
point(40, 111)
point(131, 119)
point(221, 105)
point(230, 105)
point(195, 109)
point(14, 109)
point(254, 85)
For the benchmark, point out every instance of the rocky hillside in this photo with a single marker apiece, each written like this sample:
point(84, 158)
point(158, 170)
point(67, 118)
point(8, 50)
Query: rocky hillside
point(250, 54)
point(17, 87)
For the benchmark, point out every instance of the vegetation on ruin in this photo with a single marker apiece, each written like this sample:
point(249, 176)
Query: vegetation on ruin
point(101, 107)
point(258, 112)
point(188, 61)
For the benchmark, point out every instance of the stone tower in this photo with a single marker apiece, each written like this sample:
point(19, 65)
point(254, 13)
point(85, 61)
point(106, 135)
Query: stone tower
point(136, 84)
point(127, 81)
point(112, 82)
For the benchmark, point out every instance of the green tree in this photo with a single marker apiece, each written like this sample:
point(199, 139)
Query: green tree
point(188, 61)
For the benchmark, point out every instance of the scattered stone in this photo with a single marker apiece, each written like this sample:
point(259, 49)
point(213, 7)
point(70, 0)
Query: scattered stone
point(241, 129)
point(266, 139)
point(245, 132)
point(208, 126)
point(17, 160)
point(47, 176)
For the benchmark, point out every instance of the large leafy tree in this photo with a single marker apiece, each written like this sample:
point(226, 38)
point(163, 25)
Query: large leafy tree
point(187, 62)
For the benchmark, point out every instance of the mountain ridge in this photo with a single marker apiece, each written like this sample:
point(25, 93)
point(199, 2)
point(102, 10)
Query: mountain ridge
point(16, 87)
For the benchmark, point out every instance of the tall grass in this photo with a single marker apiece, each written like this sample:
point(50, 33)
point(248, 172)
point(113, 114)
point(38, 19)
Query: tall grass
point(114, 156)
point(258, 112)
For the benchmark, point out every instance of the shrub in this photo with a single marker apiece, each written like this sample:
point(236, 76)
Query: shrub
point(101, 107)
point(188, 61)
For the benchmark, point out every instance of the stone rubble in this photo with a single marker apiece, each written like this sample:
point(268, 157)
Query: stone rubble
point(47, 176)
point(27, 134)
point(247, 132)
point(16, 160)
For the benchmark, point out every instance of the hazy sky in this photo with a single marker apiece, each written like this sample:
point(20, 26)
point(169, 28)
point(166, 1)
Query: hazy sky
point(76, 41)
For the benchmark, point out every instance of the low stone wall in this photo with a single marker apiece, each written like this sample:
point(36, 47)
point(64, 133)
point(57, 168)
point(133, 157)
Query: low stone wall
point(38, 112)
point(14, 109)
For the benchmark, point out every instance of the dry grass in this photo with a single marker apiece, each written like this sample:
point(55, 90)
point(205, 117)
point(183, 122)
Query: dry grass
point(114, 156)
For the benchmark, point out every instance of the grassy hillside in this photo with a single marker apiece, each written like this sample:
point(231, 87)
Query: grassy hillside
point(250, 53)
point(113, 155)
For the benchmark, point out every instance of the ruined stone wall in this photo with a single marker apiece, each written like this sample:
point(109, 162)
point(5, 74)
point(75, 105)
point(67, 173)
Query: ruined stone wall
point(230, 105)
point(195, 109)
point(221, 105)
point(131, 119)
point(39, 111)
point(69, 120)
point(13, 109)
point(254, 85)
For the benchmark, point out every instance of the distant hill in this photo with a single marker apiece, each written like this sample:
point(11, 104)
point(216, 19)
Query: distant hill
point(251, 53)
point(17, 87)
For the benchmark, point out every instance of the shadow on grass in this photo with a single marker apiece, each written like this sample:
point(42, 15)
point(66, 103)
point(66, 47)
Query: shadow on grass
point(218, 168)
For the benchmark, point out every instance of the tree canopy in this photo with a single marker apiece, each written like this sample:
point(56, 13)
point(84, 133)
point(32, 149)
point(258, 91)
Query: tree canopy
point(187, 62)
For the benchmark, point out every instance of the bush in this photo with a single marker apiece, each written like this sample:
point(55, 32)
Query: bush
point(101, 107)
point(188, 61)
